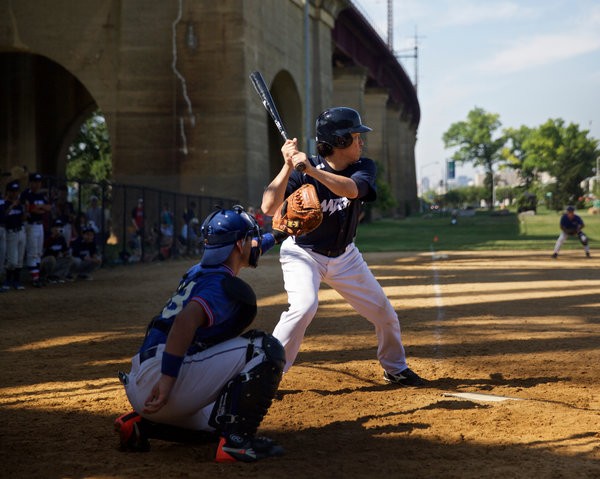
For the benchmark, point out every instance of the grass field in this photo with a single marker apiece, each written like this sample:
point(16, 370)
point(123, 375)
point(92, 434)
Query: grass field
point(483, 231)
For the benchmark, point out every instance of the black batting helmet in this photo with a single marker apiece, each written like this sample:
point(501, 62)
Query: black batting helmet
point(336, 125)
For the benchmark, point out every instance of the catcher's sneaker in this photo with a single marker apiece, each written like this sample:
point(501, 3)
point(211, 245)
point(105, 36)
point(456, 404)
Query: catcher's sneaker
point(131, 438)
point(404, 378)
point(236, 448)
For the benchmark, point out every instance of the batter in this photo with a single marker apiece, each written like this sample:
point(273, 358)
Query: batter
point(343, 179)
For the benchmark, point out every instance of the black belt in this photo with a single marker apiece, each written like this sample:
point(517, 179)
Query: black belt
point(331, 253)
point(35, 222)
point(148, 354)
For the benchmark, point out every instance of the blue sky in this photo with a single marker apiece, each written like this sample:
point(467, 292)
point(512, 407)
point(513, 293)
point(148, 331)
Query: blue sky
point(526, 60)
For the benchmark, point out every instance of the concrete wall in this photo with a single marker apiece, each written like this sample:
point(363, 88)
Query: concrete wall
point(198, 128)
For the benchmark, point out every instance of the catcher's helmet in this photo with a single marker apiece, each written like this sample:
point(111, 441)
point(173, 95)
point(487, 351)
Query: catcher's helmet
point(221, 229)
point(336, 125)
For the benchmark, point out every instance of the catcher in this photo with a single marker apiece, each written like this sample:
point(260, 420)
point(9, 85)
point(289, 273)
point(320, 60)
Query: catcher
point(571, 225)
point(196, 377)
point(343, 180)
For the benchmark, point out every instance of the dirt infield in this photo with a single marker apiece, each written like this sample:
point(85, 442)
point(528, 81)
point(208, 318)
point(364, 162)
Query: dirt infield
point(516, 325)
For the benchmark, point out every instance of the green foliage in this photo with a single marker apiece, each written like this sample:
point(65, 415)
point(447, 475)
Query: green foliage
point(89, 157)
point(385, 199)
point(477, 142)
point(567, 154)
point(515, 155)
point(464, 196)
point(564, 152)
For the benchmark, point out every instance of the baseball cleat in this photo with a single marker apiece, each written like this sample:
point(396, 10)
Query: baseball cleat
point(131, 438)
point(246, 449)
point(404, 378)
point(555, 255)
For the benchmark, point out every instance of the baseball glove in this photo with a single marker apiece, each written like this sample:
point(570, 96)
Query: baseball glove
point(299, 214)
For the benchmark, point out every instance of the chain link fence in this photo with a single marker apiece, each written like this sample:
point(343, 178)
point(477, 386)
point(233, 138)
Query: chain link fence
point(133, 223)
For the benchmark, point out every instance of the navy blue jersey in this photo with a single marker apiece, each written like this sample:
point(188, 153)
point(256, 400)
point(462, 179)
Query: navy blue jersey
point(32, 200)
point(340, 214)
point(15, 214)
point(82, 249)
point(571, 225)
point(3, 206)
point(204, 286)
point(55, 246)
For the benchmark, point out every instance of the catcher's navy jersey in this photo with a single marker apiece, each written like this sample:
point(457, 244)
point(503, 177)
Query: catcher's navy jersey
point(340, 214)
point(205, 287)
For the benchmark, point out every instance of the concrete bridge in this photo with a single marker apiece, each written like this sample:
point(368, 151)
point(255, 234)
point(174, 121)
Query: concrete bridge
point(171, 79)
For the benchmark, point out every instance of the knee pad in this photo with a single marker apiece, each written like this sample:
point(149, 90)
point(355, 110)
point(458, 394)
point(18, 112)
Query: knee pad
point(583, 238)
point(245, 399)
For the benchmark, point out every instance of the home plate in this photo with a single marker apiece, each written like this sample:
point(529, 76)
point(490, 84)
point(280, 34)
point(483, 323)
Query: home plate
point(481, 397)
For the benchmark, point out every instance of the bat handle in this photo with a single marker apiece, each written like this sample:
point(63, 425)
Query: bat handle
point(300, 167)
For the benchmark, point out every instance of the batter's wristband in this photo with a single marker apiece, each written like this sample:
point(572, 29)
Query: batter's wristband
point(171, 364)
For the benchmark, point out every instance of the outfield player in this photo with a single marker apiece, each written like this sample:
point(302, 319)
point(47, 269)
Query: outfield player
point(571, 225)
point(196, 376)
point(343, 180)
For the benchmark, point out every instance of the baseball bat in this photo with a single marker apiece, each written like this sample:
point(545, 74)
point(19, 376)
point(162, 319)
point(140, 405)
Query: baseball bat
point(267, 100)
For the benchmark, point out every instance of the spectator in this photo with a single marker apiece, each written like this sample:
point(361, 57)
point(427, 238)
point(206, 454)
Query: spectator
point(166, 232)
point(3, 206)
point(85, 257)
point(15, 236)
point(101, 219)
point(62, 209)
point(137, 221)
point(188, 237)
point(57, 260)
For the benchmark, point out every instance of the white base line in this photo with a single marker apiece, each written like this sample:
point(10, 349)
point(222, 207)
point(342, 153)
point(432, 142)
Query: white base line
point(481, 397)
point(437, 290)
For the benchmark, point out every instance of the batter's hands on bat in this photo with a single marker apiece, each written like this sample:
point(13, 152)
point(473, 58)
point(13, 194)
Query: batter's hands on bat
point(159, 395)
point(289, 149)
point(300, 158)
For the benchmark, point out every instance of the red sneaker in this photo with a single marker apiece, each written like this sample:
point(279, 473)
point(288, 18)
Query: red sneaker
point(246, 449)
point(131, 438)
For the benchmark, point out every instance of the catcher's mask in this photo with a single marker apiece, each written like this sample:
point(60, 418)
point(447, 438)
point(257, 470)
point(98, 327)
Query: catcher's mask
point(336, 125)
point(220, 231)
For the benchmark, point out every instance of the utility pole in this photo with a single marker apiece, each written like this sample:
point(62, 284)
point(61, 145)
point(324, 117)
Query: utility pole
point(390, 42)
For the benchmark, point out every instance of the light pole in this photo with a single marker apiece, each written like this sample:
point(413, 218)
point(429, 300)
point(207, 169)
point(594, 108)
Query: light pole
point(421, 180)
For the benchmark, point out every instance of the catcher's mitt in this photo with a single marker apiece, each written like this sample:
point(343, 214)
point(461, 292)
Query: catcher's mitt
point(299, 214)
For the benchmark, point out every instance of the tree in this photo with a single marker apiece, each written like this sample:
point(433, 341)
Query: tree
point(515, 155)
point(477, 143)
point(567, 154)
point(89, 157)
